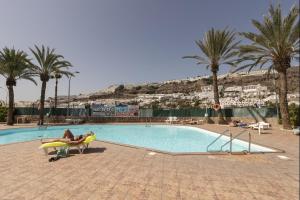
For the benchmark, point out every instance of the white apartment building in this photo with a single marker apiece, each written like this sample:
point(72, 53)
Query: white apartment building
point(255, 91)
point(209, 88)
point(233, 91)
point(292, 98)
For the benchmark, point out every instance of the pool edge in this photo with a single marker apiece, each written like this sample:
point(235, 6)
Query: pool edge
point(276, 150)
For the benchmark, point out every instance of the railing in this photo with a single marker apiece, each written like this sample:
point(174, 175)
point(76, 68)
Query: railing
point(148, 122)
point(42, 127)
point(221, 134)
point(236, 136)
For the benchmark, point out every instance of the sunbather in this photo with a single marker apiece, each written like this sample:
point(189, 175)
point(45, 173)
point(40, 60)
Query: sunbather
point(233, 123)
point(81, 142)
point(69, 138)
point(242, 124)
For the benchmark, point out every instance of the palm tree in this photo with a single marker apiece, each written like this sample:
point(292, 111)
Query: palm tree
point(58, 75)
point(274, 46)
point(14, 65)
point(218, 48)
point(48, 62)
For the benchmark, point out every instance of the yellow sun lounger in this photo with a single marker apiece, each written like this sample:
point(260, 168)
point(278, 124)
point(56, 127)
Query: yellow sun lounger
point(81, 146)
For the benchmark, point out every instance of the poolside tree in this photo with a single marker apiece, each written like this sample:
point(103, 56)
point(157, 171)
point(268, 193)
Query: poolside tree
point(58, 75)
point(47, 63)
point(217, 48)
point(274, 45)
point(14, 65)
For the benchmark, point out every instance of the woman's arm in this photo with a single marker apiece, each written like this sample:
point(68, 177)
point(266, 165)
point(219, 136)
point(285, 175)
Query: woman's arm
point(77, 141)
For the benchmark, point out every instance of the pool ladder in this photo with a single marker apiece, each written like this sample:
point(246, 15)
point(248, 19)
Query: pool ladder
point(42, 127)
point(148, 123)
point(230, 142)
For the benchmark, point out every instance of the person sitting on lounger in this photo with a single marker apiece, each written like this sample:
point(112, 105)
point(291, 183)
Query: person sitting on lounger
point(69, 138)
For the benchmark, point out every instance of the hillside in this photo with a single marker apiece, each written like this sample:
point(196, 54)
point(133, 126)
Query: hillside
point(189, 86)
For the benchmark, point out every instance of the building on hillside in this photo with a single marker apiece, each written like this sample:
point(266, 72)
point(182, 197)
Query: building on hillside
point(253, 91)
point(209, 88)
point(292, 98)
point(233, 91)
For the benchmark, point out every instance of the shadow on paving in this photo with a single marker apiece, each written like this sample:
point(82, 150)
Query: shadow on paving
point(89, 150)
point(86, 151)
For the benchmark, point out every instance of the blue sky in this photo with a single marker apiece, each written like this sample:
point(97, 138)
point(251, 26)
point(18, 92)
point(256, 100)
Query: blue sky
point(120, 41)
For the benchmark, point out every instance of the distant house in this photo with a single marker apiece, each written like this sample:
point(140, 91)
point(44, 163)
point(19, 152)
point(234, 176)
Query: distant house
point(255, 91)
point(209, 88)
point(233, 91)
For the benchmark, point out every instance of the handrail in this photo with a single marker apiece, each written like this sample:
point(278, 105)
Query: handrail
point(231, 139)
point(148, 123)
point(41, 127)
point(221, 134)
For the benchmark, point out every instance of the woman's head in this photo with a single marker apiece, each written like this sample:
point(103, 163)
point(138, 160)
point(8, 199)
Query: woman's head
point(68, 134)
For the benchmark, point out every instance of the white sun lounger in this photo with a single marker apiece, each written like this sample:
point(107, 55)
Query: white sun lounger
point(172, 120)
point(74, 121)
point(260, 126)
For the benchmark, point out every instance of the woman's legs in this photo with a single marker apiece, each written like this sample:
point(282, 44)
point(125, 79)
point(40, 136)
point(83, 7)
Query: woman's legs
point(55, 140)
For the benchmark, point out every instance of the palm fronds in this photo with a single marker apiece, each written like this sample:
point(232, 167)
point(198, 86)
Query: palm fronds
point(276, 42)
point(48, 62)
point(218, 47)
point(15, 64)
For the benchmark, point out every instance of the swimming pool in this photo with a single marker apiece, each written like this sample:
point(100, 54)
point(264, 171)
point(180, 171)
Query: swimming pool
point(174, 139)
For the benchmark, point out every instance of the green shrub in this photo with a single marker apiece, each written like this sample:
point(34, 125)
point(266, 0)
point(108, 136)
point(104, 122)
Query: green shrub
point(294, 115)
point(3, 113)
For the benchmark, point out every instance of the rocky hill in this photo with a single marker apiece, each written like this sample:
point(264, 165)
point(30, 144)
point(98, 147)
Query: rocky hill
point(187, 86)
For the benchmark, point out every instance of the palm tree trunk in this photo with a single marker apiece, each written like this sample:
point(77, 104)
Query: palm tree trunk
point(216, 96)
point(10, 113)
point(55, 96)
point(283, 103)
point(42, 102)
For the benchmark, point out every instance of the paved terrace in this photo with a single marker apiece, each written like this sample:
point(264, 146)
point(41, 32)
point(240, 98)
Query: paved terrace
point(114, 172)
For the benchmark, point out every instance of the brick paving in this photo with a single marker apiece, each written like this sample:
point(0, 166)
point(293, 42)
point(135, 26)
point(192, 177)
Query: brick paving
point(113, 172)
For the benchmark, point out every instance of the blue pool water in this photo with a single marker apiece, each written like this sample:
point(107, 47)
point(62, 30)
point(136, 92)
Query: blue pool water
point(173, 139)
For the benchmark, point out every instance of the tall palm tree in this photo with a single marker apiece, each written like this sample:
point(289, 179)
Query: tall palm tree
point(274, 46)
point(58, 75)
point(14, 65)
point(48, 62)
point(218, 48)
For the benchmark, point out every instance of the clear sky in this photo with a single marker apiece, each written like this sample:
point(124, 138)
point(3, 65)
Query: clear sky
point(120, 41)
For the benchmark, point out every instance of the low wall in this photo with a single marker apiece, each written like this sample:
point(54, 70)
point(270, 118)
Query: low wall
point(263, 112)
point(247, 114)
point(61, 119)
point(250, 112)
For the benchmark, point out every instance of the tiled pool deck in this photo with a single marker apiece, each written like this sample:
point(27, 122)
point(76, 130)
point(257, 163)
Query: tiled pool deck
point(108, 171)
